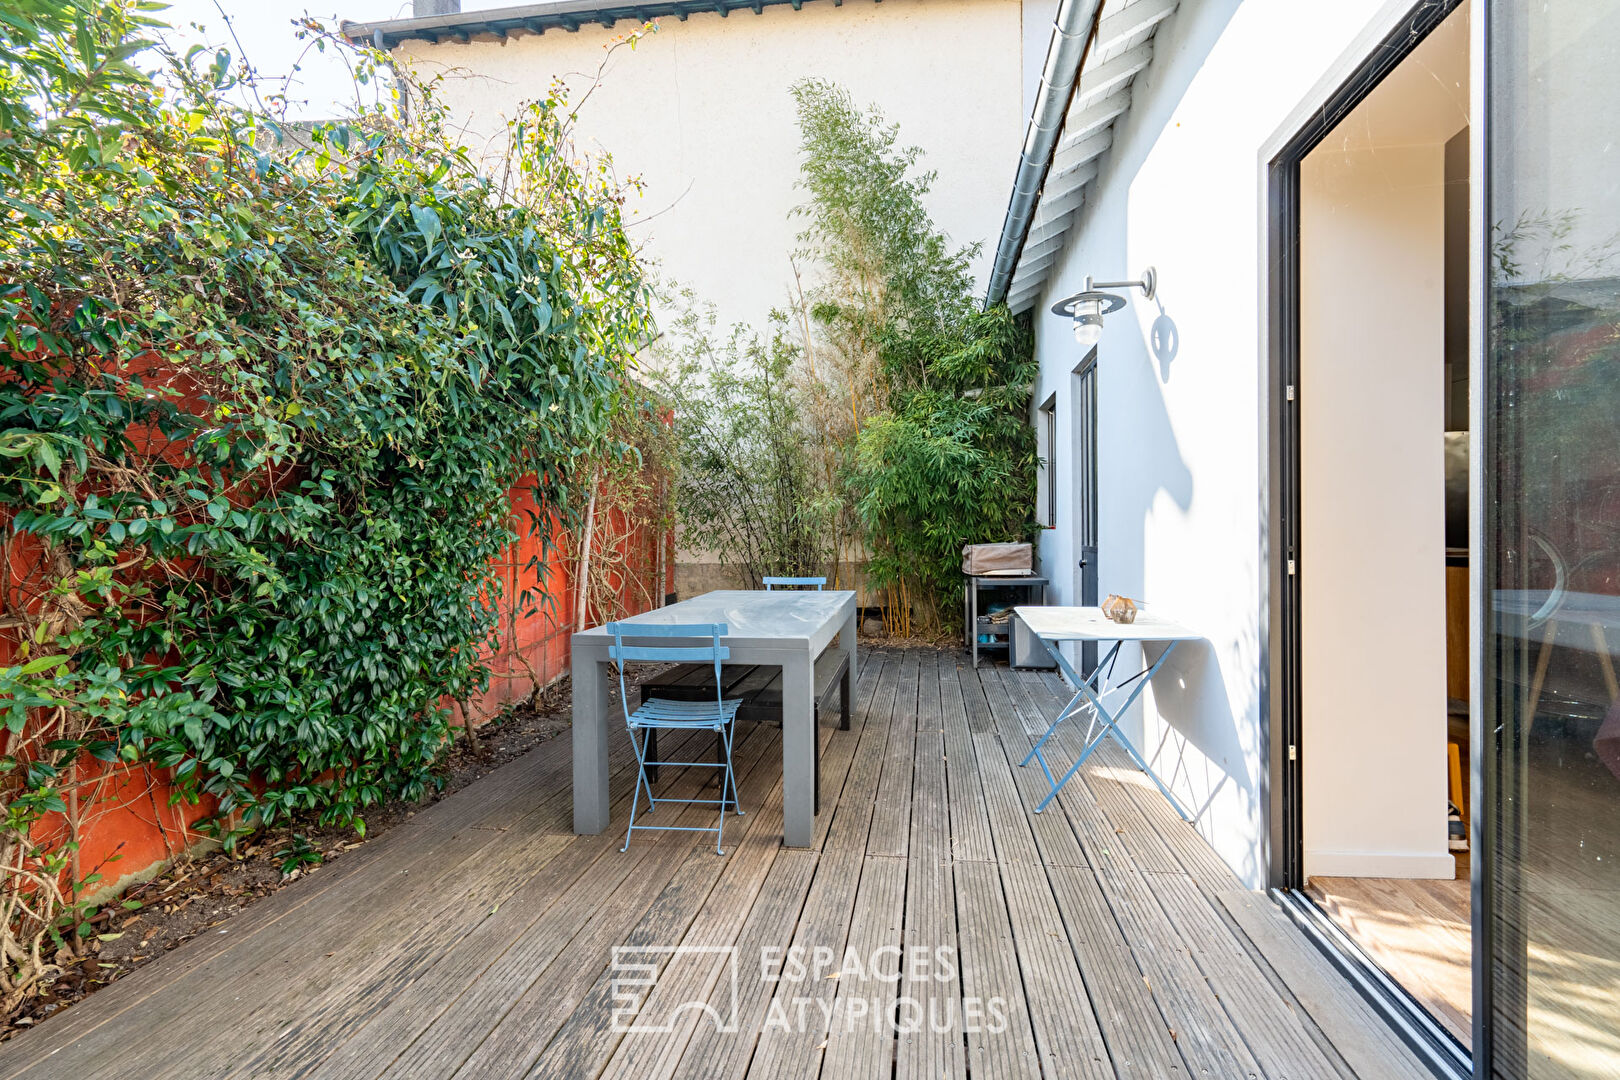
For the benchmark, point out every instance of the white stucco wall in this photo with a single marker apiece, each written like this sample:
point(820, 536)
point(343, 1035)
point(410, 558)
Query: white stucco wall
point(700, 111)
point(1180, 377)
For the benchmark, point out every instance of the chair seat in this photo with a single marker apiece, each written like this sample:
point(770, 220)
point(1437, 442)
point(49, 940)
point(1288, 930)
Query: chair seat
point(663, 713)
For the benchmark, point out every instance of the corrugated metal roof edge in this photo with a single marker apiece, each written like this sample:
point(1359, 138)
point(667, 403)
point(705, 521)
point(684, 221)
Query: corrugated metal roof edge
point(538, 18)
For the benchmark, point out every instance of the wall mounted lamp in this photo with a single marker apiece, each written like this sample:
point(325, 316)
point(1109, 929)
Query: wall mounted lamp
point(1088, 306)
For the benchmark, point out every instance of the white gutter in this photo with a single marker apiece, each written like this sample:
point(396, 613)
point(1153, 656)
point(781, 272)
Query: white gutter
point(1071, 30)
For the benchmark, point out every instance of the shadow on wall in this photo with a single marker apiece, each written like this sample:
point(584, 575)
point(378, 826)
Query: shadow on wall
point(1165, 340)
point(1207, 744)
point(1195, 746)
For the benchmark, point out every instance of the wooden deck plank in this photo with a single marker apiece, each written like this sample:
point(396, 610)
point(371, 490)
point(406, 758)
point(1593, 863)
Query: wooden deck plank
point(213, 990)
point(388, 974)
point(410, 1011)
point(891, 815)
point(970, 821)
point(1141, 826)
point(661, 1028)
point(771, 926)
point(588, 1037)
point(1053, 834)
point(1010, 826)
point(1206, 1038)
point(1270, 1025)
point(1061, 1012)
point(840, 750)
point(706, 920)
point(1065, 1026)
point(515, 788)
point(861, 1030)
point(979, 719)
point(376, 972)
point(1204, 1035)
point(712, 1053)
point(505, 1021)
point(504, 1039)
point(995, 1017)
point(1100, 938)
point(371, 1050)
point(794, 1049)
point(1140, 1042)
point(928, 1050)
point(1370, 1049)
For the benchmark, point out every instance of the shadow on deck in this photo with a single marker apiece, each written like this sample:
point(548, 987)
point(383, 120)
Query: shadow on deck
point(936, 928)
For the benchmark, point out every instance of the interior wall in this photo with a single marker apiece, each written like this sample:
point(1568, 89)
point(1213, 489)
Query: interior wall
point(1372, 545)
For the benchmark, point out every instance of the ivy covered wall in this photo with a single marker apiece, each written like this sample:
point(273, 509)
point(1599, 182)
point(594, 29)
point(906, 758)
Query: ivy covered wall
point(290, 440)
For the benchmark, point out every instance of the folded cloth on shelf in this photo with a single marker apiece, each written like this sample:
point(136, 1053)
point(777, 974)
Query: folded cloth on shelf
point(998, 559)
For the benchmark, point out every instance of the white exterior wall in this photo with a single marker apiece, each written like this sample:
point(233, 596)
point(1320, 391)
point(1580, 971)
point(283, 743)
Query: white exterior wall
point(700, 111)
point(1180, 377)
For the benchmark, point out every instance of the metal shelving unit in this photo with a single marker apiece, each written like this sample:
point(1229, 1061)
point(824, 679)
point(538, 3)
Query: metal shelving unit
point(976, 625)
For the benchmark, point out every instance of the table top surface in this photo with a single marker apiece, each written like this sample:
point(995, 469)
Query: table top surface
point(1090, 624)
point(751, 614)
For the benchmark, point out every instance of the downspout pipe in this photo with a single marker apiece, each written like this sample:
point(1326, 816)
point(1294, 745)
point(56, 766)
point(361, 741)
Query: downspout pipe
point(1071, 29)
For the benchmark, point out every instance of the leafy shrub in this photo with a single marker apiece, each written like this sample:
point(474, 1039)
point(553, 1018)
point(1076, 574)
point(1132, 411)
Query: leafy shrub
point(919, 397)
point(263, 411)
point(748, 487)
point(949, 463)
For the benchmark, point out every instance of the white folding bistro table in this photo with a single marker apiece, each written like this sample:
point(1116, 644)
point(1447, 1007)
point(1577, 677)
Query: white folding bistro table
point(780, 629)
point(1055, 625)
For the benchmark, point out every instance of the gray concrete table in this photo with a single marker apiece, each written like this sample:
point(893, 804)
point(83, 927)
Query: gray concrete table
point(781, 629)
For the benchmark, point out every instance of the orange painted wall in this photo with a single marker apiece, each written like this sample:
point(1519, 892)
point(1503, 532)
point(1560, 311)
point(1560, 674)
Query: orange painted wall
point(541, 633)
point(129, 827)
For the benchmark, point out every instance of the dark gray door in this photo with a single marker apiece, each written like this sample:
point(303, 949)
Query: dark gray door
point(1085, 502)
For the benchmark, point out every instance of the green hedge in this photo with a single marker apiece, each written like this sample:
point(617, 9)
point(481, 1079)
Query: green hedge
point(262, 413)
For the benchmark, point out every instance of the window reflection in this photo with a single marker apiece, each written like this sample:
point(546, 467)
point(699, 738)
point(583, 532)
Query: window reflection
point(1553, 367)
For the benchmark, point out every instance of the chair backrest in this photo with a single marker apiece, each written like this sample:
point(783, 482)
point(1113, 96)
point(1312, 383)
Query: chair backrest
point(627, 638)
point(818, 582)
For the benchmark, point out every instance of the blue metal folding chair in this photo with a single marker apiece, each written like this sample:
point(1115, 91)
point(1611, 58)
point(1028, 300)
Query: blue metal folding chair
point(818, 582)
point(718, 716)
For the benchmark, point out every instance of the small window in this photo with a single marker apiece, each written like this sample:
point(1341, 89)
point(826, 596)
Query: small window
point(1046, 436)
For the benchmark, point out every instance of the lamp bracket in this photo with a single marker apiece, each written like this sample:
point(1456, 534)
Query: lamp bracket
point(1148, 283)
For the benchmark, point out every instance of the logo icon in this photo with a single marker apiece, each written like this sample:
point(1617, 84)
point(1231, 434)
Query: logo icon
point(654, 986)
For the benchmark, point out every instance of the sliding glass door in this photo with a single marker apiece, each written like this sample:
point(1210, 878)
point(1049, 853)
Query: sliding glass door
point(1548, 886)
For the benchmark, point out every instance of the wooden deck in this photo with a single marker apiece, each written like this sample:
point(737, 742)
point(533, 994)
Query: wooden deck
point(1101, 938)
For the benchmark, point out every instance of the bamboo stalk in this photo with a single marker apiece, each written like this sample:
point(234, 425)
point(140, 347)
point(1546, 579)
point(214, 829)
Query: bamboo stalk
point(74, 869)
point(585, 557)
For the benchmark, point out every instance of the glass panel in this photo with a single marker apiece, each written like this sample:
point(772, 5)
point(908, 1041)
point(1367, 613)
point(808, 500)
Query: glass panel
point(1553, 557)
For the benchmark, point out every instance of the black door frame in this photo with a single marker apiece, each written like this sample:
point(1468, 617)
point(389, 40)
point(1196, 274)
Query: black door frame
point(1280, 474)
point(1280, 554)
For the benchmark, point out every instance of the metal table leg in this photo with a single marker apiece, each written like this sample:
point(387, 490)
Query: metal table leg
point(1090, 695)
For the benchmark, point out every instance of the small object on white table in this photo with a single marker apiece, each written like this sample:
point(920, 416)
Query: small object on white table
point(780, 629)
point(1055, 625)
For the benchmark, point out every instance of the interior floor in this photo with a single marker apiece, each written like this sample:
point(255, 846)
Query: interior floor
point(1418, 931)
